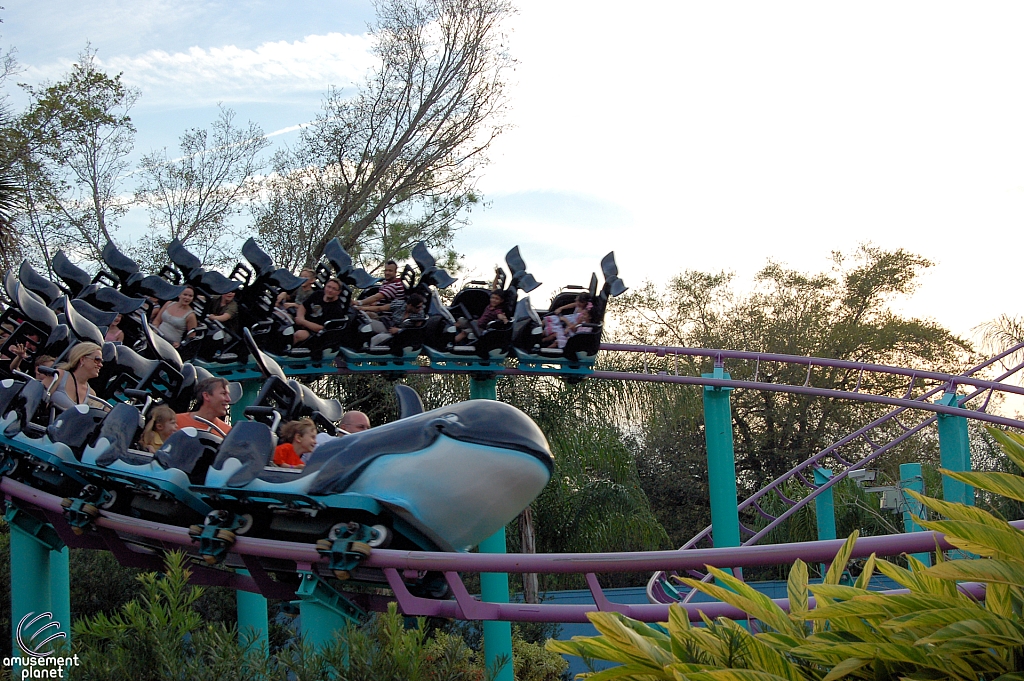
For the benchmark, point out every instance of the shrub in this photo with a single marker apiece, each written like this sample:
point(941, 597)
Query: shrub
point(162, 636)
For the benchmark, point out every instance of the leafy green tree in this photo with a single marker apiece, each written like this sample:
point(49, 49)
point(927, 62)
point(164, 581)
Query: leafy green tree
point(845, 313)
point(73, 143)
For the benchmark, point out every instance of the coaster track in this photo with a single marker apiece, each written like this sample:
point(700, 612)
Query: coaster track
point(139, 543)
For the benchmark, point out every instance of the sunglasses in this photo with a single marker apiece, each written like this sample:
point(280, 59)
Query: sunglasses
point(98, 360)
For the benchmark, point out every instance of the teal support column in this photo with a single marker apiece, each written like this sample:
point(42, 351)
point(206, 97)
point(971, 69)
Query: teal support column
point(253, 623)
point(251, 608)
point(824, 509)
point(323, 610)
point(494, 585)
point(725, 519)
point(60, 589)
point(825, 506)
point(954, 453)
point(912, 479)
point(32, 544)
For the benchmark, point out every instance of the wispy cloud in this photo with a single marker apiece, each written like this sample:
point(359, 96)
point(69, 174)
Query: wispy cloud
point(273, 71)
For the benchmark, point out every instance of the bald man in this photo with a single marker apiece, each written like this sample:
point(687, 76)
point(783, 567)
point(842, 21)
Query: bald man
point(351, 422)
point(355, 422)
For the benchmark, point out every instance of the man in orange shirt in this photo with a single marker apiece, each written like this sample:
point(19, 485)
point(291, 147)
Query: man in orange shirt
point(214, 403)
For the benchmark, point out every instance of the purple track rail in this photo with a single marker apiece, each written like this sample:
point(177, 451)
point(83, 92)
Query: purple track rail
point(119, 533)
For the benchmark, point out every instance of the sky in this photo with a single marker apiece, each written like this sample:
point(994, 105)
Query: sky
point(680, 135)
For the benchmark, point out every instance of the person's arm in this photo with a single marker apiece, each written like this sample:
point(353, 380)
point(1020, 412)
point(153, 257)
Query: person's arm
point(190, 323)
point(369, 300)
point(300, 319)
point(20, 355)
point(158, 316)
point(223, 316)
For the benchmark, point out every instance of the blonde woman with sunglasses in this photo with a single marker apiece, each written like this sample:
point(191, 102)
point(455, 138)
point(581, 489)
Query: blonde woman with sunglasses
point(71, 385)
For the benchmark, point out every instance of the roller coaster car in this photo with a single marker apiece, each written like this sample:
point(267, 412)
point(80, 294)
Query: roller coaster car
point(124, 369)
point(94, 445)
point(288, 398)
point(151, 486)
point(351, 335)
point(86, 448)
point(396, 476)
point(580, 349)
point(400, 349)
point(133, 282)
point(488, 345)
point(28, 454)
point(257, 299)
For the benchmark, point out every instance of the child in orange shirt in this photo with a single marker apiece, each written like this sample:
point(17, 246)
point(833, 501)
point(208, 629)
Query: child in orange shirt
point(297, 438)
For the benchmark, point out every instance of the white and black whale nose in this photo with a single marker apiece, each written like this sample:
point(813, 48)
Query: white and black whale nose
point(479, 422)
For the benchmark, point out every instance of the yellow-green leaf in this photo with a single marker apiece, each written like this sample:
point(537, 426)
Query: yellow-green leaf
point(955, 511)
point(845, 667)
point(628, 672)
point(1003, 484)
point(746, 598)
point(797, 588)
point(989, 570)
point(732, 675)
point(976, 635)
point(1012, 443)
point(1002, 542)
point(837, 592)
point(759, 655)
point(838, 566)
point(864, 580)
point(884, 606)
point(891, 652)
point(919, 582)
point(999, 599)
point(935, 619)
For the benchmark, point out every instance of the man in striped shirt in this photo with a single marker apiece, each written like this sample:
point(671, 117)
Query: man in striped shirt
point(391, 295)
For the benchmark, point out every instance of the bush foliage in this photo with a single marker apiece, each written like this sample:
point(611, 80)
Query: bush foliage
point(162, 636)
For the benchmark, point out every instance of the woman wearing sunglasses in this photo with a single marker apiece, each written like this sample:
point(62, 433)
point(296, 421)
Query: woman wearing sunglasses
point(71, 386)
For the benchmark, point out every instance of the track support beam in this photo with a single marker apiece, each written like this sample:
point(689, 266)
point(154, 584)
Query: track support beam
point(954, 452)
point(40, 582)
point(494, 585)
point(912, 479)
point(323, 610)
point(725, 520)
point(824, 508)
point(252, 608)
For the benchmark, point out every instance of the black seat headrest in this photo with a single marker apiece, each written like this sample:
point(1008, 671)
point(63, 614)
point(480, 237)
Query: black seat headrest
point(75, 277)
point(252, 445)
point(119, 263)
point(34, 281)
point(119, 428)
